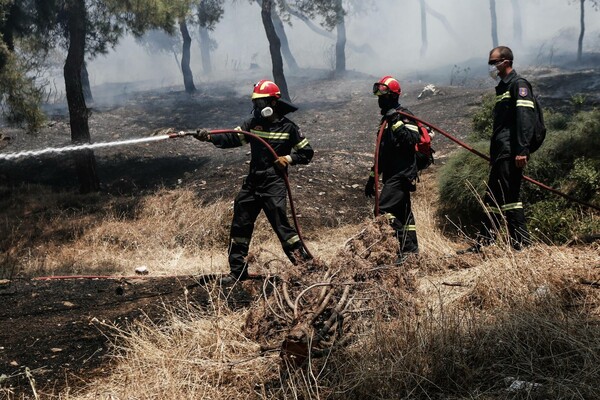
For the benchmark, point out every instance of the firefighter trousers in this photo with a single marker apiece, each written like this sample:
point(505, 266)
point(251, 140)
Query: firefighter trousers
point(394, 203)
point(502, 203)
point(261, 191)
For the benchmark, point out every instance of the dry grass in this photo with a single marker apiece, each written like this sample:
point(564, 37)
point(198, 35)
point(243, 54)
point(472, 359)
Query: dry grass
point(474, 323)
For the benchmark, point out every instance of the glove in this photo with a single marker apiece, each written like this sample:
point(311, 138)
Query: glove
point(282, 162)
point(370, 187)
point(202, 134)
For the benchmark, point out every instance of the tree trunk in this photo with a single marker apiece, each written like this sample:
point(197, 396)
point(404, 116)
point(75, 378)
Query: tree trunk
point(274, 48)
point(340, 44)
point(85, 85)
point(205, 51)
point(494, 23)
point(581, 32)
point(517, 26)
point(423, 28)
point(85, 161)
point(443, 20)
point(364, 48)
point(285, 46)
point(188, 78)
point(204, 41)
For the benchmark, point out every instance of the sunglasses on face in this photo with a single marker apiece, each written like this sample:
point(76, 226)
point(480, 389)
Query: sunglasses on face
point(380, 89)
point(496, 62)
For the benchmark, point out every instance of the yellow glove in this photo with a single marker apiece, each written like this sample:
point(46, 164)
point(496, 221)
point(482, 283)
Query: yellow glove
point(282, 162)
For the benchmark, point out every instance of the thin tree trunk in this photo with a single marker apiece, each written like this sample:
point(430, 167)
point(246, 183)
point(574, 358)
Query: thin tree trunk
point(517, 26)
point(85, 161)
point(85, 84)
point(443, 20)
point(494, 23)
point(205, 51)
point(364, 48)
point(423, 28)
point(188, 78)
point(285, 46)
point(274, 48)
point(581, 32)
point(204, 41)
point(340, 44)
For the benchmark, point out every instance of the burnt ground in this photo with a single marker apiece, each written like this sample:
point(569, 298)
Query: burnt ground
point(57, 328)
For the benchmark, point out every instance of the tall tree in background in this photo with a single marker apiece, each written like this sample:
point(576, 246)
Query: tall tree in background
point(85, 161)
point(517, 26)
point(333, 15)
point(209, 14)
point(340, 44)
point(423, 7)
point(494, 23)
point(595, 4)
point(274, 48)
point(188, 77)
point(287, 8)
point(280, 31)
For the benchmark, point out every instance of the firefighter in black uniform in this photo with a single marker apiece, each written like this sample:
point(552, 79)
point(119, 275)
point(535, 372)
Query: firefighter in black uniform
point(397, 164)
point(264, 187)
point(514, 120)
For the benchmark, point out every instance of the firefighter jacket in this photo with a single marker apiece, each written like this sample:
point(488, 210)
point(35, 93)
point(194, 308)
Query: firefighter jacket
point(514, 118)
point(397, 161)
point(282, 135)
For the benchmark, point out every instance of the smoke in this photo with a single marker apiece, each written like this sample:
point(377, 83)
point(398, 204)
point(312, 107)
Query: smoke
point(390, 30)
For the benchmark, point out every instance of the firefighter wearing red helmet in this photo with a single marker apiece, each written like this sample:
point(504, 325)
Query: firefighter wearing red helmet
point(264, 187)
point(397, 166)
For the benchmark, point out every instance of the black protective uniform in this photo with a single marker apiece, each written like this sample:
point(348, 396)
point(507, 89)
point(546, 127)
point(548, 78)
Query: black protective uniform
point(398, 166)
point(264, 187)
point(514, 119)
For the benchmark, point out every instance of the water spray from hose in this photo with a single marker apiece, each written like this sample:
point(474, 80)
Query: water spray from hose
point(90, 146)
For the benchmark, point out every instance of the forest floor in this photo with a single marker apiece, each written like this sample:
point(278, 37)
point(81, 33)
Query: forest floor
point(56, 328)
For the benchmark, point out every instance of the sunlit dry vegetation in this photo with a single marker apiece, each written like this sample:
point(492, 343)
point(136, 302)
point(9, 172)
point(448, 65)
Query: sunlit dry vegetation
point(502, 325)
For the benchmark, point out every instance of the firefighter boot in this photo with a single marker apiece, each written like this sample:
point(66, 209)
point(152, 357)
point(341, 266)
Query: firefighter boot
point(238, 251)
point(297, 254)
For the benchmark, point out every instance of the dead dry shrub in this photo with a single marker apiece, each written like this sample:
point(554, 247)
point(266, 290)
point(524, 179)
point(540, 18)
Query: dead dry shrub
point(192, 354)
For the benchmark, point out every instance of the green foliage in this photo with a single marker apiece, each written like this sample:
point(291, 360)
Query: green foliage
point(555, 121)
point(460, 182)
point(568, 161)
point(578, 100)
point(483, 119)
point(20, 98)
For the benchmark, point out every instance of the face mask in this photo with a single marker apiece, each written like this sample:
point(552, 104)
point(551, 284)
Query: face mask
point(493, 71)
point(261, 109)
point(386, 103)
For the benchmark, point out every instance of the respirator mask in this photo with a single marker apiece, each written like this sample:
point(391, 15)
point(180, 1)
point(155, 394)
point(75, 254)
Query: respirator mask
point(493, 71)
point(493, 68)
point(262, 108)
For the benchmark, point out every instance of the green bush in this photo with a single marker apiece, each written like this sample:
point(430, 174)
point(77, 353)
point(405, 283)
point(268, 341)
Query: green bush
point(461, 181)
point(483, 120)
point(568, 161)
point(555, 121)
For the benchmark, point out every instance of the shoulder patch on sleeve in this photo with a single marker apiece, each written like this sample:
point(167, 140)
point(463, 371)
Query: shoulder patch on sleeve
point(300, 133)
point(523, 91)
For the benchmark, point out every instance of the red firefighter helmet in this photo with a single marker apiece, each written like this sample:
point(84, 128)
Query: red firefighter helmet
point(386, 85)
point(265, 88)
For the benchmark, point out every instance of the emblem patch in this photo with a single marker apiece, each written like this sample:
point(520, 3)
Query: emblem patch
point(523, 92)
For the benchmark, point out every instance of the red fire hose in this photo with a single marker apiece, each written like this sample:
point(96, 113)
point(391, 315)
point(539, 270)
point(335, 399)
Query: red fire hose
point(472, 150)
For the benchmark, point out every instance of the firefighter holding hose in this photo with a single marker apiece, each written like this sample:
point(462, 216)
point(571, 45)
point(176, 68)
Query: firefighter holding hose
point(398, 166)
point(264, 187)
